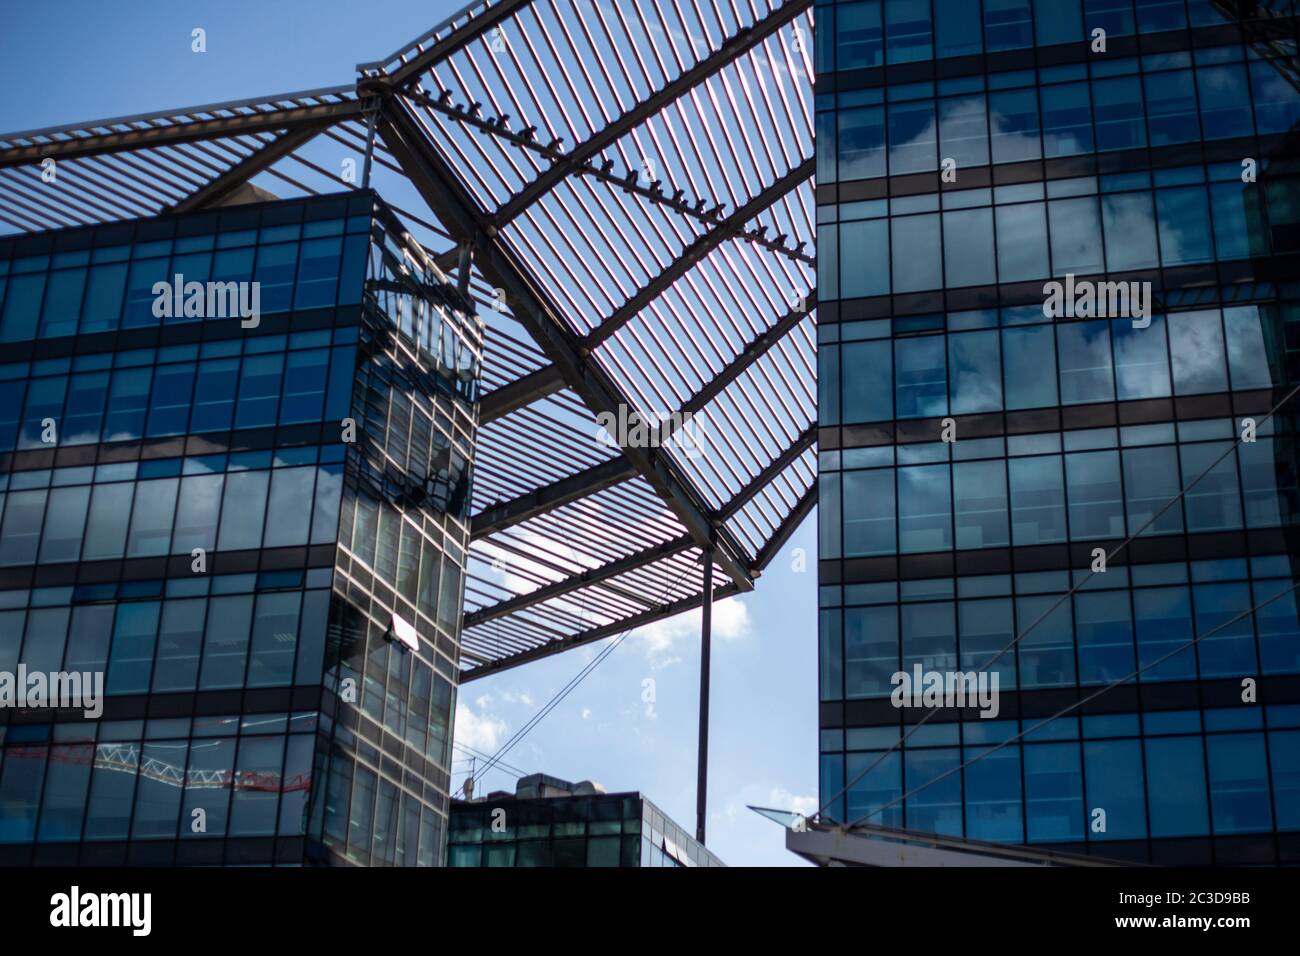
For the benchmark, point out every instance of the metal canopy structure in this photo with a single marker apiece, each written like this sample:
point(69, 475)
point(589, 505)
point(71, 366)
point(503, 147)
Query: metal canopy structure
point(626, 189)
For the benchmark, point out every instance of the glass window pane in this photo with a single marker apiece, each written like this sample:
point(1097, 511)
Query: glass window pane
point(180, 636)
point(924, 508)
point(1114, 774)
point(226, 647)
point(289, 512)
point(275, 639)
point(1176, 774)
point(1239, 796)
point(255, 801)
point(241, 517)
point(151, 518)
point(980, 493)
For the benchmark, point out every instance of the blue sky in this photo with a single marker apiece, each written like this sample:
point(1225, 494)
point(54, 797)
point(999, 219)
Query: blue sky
point(66, 61)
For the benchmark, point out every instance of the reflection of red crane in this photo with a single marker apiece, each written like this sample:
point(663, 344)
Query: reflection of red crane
point(125, 758)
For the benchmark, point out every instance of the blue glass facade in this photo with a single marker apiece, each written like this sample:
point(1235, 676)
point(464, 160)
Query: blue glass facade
point(1171, 157)
point(222, 516)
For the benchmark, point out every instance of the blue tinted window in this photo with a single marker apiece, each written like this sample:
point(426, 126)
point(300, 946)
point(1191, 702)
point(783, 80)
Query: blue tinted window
point(130, 660)
point(866, 245)
point(1284, 756)
point(1164, 624)
point(1029, 358)
point(1141, 359)
point(975, 372)
point(1230, 650)
point(1114, 775)
point(1058, 22)
point(922, 387)
point(907, 30)
point(276, 265)
point(1277, 101)
point(1239, 798)
point(1214, 504)
point(214, 397)
point(870, 650)
point(1119, 113)
point(1184, 218)
point(980, 490)
point(987, 627)
point(128, 398)
point(180, 635)
point(1225, 101)
point(259, 390)
point(968, 248)
point(62, 305)
point(20, 532)
point(993, 795)
point(912, 130)
point(1053, 793)
point(937, 808)
point(1007, 25)
point(1013, 121)
point(1171, 107)
point(1130, 227)
point(20, 792)
point(924, 509)
point(169, 404)
point(1105, 634)
point(66, 786)
point(318, 273)
point(917, 264)
point(44, 402)
point(1046, 647)
point(830, 655)
point(104, 294)
point(861, 143)
point(87, 397)
point(1022, 243)
point(869, 517)
point(140, 297)
point(304, 386)
point(223, 660)
point(1176, 782)
point(11, 408)
point(1113, 16)
point(1067, 120)
point(957, 28)
point(869, 388)
point(859, 35)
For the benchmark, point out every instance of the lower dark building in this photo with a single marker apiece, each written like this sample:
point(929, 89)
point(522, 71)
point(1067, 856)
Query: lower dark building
point(551, 822)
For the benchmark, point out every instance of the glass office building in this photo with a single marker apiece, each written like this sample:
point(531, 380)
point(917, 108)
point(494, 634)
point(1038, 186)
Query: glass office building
point(253, 525)
point(969, 152)
point(551, 822)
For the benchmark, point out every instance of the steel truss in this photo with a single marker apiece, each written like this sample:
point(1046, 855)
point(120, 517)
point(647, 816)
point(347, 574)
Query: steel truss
point(627, 192)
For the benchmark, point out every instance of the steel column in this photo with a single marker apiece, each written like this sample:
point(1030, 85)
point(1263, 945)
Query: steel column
point(706, 640)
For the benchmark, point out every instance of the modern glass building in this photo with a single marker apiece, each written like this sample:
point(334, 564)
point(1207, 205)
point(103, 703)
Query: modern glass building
point(254, 527)
point(551, 822)
point(969, 152)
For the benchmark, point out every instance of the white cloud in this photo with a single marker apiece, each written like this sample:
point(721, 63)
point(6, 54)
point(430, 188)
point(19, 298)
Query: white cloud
point(730, 623)
point(586, 712)
point(782, 799)
point(481, 731)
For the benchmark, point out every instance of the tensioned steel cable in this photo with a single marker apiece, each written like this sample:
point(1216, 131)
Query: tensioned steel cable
point(1066, 596)
point(474, 752)
point(1078, 703)
point(568, 688)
